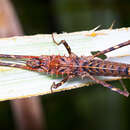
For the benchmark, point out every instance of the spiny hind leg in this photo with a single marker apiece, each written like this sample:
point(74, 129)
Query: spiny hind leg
point(57, 85)
point(125, 93)
point(65, 44)
point(123, 85)
point(110, 49)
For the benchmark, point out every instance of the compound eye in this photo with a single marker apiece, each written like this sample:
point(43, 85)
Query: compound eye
point(33, 63)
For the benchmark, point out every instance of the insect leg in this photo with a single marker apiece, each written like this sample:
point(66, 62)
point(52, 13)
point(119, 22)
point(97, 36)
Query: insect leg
point(123, 85)
point(111, 49)
point(17, 56)
point(65, 44)
point(125, 93)
point(17, 66)
point(55, 86)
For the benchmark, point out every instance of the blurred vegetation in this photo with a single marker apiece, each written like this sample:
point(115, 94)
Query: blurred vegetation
point(94, 107)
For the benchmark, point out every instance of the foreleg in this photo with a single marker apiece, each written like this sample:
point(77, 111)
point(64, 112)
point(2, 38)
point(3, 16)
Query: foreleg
point(17, 56)
point(20, 66)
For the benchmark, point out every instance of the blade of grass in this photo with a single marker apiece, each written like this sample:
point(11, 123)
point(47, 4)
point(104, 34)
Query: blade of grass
point(23, 83)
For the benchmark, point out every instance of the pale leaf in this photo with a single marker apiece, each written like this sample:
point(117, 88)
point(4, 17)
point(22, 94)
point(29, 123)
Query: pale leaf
point(18, 83)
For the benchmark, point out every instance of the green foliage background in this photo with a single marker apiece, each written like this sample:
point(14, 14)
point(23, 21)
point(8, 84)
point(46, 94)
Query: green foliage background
point(94, 107)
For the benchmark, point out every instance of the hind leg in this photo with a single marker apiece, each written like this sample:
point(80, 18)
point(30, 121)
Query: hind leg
point(125, 93)
point(110, 49)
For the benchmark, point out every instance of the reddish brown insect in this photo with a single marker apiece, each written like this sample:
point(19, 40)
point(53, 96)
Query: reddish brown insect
point(74, 66)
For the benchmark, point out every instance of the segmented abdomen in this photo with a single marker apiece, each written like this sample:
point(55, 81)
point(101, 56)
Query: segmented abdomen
point(106, 68)
point(79, 65)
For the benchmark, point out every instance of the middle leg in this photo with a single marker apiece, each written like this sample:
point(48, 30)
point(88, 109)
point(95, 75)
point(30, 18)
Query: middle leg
point(65, 44)
point(55, 86)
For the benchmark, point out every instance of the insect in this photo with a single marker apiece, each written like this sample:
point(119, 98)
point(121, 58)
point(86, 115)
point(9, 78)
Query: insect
point(74, 66)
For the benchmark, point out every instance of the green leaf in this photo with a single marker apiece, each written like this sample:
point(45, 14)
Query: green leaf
point(103, 57)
